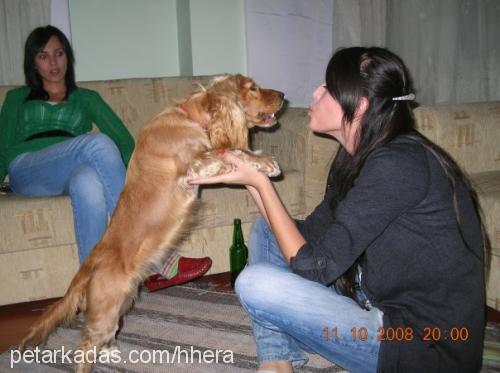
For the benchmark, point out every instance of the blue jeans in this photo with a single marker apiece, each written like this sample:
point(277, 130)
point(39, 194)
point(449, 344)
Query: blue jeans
point(89, 168)
point(291, 314)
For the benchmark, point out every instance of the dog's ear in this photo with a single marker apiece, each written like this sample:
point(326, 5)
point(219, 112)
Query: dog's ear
point(227, 128)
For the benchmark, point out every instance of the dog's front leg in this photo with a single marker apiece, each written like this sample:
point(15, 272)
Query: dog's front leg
point(211, 163)
point(206, 165)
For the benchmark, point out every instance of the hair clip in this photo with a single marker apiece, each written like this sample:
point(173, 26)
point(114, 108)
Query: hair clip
point(409, 97)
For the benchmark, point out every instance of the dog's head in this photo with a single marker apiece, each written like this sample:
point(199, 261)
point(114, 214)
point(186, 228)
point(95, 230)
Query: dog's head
point(230, 105)
point(258, 104)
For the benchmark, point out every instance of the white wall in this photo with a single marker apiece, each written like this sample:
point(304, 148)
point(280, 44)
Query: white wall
point(115, 39)
point(218, 36)
point(59, 16)
point(289, 43)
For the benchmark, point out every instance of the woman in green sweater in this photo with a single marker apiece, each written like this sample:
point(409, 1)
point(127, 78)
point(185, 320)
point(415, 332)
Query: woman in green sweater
point(47, 148)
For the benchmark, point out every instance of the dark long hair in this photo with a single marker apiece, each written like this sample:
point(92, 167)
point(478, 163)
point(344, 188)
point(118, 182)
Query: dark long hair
point(34, 44)
point(378, 75)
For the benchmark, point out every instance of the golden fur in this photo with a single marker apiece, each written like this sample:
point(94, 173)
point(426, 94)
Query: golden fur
point(153, 210)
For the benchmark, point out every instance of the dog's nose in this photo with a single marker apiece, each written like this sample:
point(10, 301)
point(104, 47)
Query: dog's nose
point(282, 95)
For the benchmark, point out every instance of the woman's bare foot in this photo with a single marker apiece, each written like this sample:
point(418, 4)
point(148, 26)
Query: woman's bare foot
point(280, 366)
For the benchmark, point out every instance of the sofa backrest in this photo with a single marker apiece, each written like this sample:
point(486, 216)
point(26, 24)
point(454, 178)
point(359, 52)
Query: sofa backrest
point(469, 132)
point(136, 101)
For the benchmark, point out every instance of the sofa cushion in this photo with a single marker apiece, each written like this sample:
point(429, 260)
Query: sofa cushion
point(38, 254)
point(286, 142)
point(35, 222)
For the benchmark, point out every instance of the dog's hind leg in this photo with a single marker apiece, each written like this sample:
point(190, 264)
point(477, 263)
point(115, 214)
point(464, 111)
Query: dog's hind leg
point(104, 302)
point(98, 333)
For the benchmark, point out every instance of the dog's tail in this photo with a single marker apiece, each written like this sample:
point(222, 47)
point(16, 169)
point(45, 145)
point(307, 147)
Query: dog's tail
point(64, 310)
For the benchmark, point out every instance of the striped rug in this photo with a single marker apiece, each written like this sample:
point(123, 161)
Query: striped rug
point(180, 329)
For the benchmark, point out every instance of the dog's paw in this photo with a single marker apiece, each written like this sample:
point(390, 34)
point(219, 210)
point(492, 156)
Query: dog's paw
point(274, 170)
point(268, 166)
point(109, 349)
point(237, 152)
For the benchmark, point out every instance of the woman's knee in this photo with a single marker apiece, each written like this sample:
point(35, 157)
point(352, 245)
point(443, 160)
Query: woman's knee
point(258, 242)
point(100, 141)
point(261, 283)
point(85, 185)
point(263, 247)
point(99, 146)
point(259, 226)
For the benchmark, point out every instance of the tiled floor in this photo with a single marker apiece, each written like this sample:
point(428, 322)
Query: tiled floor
point(16, 319)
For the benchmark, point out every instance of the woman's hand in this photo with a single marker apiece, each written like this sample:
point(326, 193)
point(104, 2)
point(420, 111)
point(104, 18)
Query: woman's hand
point(244, 174)
point(267, 200)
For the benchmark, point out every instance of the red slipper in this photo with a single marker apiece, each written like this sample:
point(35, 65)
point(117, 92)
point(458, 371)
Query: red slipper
point(189, 269)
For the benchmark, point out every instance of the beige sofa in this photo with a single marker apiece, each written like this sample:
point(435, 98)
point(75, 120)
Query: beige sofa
point(37, 246)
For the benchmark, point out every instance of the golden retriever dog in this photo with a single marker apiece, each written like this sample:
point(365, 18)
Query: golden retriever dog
point(181, 143)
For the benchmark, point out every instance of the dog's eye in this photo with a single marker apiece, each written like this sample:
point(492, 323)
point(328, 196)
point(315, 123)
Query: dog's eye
point(253, 87)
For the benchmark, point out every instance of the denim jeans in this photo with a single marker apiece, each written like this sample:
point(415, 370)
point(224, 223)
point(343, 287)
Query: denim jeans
point(88, 168)
point(291, 314)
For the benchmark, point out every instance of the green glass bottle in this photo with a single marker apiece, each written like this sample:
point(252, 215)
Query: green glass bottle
point(238, 253)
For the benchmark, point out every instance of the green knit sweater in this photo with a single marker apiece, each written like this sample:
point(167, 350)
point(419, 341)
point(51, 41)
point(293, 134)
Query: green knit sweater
point(20, 119)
